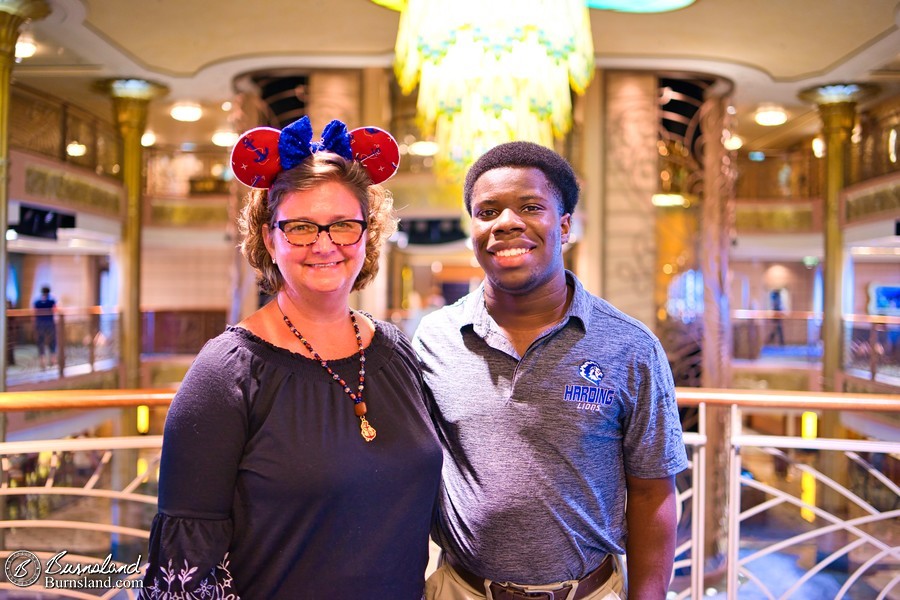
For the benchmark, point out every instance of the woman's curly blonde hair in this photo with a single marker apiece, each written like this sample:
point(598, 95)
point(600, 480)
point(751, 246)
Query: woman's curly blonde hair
point(262, 206)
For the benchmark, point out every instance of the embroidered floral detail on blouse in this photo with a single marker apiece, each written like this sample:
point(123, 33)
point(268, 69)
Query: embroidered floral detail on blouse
point(181, 584)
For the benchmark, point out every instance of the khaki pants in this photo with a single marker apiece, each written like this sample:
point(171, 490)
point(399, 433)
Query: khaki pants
point(446, 584)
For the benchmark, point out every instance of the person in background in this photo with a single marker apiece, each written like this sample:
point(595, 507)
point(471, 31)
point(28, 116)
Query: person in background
point(45, 327)
point(299, 459)
point(556, 411)
point(777, 305)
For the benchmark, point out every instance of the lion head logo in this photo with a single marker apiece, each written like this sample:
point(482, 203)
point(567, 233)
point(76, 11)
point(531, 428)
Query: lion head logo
point(592, 372)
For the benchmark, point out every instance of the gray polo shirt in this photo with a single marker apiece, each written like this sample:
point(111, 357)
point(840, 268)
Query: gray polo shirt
point(536, 447)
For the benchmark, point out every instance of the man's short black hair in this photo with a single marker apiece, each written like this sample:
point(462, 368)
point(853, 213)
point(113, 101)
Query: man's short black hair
point(527, 154)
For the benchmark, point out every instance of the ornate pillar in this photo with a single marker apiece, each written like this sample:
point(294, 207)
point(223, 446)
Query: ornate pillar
point(837, 109)
point(630, 174)
point(12, 14)
point(130, 100)
point(718, 223)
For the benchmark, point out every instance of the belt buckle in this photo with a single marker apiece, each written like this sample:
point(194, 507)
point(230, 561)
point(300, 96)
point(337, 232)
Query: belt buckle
point(536, 594)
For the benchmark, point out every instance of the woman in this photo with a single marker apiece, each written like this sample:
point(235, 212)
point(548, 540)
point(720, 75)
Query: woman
point(299, 460)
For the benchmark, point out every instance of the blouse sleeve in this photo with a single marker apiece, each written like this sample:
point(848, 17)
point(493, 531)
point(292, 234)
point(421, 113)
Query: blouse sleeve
point(205, 432)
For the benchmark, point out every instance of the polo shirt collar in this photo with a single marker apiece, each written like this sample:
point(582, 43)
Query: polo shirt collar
point(475, 312)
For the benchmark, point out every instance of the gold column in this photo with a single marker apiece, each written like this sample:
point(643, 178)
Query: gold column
point(13, 13)
point(130, 100)
point(837, 109)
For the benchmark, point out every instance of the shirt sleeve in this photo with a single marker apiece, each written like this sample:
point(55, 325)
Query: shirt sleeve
point(206, 429)
point(653, 442)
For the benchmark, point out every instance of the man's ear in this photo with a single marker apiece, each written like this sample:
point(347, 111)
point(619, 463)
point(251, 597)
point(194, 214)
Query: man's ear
point(565, 224)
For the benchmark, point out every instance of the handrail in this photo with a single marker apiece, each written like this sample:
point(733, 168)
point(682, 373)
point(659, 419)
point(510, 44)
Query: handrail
point(77, 399)
point(741, 314)
point(783, 400)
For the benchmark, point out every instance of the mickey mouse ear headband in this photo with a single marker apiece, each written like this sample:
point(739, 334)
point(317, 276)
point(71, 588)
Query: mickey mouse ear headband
point(263, 152)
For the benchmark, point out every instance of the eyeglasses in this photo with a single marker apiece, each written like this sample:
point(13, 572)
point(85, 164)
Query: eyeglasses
point(298, 232)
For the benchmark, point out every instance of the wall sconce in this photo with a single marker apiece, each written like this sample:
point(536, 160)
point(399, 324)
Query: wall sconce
point(732, 142)
point(148, 139)
point(74, 148)
point(818, 147)
point(187, 112)
point(669, 200)
point(769, 115)
point(143, 419)
point(25, 46)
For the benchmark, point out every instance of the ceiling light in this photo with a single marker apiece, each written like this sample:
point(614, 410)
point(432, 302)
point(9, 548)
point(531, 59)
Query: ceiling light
point(186, 111)
point(148, 139)
point(769, 115)
point(669, 200)
point(226, 106)
point(76, 149)
point(733, 142)
point(25, 46)
point(224, 138)
point(423, 148)
point(639, 6)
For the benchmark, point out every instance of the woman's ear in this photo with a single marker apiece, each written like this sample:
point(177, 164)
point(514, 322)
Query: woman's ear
point(268, 241)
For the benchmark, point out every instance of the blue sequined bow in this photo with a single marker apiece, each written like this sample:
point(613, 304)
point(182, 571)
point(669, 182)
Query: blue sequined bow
point(295, 142)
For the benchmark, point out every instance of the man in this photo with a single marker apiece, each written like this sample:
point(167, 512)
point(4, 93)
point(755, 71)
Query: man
point(552, 408)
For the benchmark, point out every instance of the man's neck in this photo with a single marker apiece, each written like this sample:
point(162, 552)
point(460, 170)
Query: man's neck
point(533, 311)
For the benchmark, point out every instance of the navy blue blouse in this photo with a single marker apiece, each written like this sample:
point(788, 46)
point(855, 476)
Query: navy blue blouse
point(267, 489)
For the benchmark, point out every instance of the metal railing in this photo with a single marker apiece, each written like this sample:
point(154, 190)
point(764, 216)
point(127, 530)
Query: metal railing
point(97, 495)
point(871, 343)
point(86, 339)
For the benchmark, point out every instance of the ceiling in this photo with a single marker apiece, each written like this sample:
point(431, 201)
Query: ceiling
point(769, 50)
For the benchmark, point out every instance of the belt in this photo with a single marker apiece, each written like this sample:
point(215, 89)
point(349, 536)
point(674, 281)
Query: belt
point(587, 585)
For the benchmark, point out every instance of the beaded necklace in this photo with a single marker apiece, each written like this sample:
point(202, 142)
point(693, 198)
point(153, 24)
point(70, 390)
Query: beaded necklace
point(366, 430)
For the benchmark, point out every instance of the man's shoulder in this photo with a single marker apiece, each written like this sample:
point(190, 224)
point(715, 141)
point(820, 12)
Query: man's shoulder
point(443, 322)
point(607, 320)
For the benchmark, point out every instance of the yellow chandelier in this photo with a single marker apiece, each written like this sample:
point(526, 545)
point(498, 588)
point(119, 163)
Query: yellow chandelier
point(491, 71)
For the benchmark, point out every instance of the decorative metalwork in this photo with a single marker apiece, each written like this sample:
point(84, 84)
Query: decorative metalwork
point(75, 192)
point(858, 536)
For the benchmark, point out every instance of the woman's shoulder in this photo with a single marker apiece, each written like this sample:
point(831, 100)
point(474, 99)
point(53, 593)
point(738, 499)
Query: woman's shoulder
point(390, 334)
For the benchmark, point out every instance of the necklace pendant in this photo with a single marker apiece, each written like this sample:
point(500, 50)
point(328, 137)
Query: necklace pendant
point(366, 430)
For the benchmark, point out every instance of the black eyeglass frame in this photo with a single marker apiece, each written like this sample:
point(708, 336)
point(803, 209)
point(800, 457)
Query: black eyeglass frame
point(281, 225)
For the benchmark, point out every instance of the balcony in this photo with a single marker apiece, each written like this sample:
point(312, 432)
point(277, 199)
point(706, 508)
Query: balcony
point(767, 341)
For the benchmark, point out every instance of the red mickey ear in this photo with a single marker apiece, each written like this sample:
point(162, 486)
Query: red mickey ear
point(377, 151)
point(254, 159)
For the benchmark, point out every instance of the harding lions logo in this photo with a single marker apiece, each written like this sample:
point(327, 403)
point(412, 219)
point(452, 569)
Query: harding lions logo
point(589, 397)
point(591, 371)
